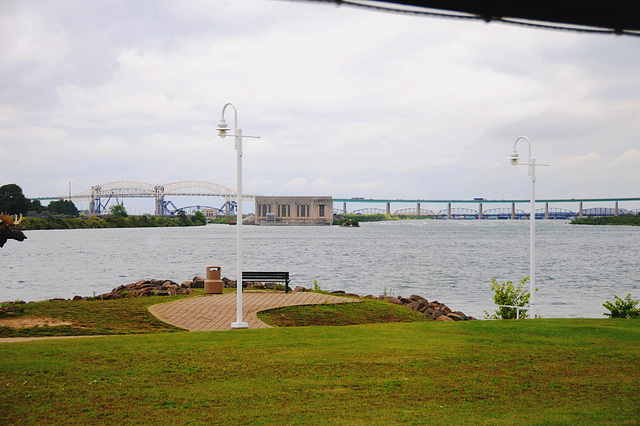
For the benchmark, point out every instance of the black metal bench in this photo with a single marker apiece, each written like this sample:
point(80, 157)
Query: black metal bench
point(267, 277)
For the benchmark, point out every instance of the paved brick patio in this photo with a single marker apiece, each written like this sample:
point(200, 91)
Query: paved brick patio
point(218, 311)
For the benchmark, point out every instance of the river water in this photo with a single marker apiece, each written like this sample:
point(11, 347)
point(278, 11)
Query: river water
point(578, 267)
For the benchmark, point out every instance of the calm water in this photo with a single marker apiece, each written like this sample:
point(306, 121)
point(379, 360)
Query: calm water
point(579, 267)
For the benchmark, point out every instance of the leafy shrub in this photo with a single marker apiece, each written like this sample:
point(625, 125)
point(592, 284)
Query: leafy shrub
point(348, 223)
point(622, 308)
point(508, 294)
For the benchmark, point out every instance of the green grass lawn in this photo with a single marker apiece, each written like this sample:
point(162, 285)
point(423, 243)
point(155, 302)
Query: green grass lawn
point(578, 371)
point(91, 317)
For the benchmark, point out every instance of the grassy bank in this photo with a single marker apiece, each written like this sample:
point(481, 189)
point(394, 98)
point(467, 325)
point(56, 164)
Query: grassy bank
point(630, 219)
point(131, 316)
point(51, 222)
point(88, 317)
point(368, 311)
point(479, 372)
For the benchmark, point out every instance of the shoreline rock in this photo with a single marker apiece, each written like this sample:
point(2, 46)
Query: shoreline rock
point(434, 310)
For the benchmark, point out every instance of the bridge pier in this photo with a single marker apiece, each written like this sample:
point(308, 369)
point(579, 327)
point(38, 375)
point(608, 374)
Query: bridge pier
point(546, 210)
point(616, 211)
point(388, 208)
point(159, 206)
point(344, 208)
point(449, 211)
point(480, 211)
point(580, 210)
point(158, 194)
point(418, 209)
point(513, 211)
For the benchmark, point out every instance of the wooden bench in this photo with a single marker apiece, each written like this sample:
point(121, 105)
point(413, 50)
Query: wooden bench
point(267, 277)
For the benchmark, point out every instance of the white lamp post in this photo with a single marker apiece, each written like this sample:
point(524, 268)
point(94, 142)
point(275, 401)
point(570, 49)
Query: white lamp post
point(532, 220)
point(222, 132)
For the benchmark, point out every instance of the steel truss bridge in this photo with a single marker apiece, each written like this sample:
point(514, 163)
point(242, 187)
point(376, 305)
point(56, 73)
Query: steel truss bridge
point(99, 196)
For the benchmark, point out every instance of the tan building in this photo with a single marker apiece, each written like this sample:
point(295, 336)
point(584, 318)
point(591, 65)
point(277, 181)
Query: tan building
point(294, 210)
point(210, 214)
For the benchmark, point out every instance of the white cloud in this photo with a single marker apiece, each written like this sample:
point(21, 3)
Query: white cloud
point(630, 158)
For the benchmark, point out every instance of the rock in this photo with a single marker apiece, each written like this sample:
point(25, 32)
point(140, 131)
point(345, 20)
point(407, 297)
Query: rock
point(443, 318)
point(197, 282)
point(436, 314)
point(228, 283)
point(420, 299)
point(299, 289)
point(455, 317)
point(417, 306)
point(461, 315)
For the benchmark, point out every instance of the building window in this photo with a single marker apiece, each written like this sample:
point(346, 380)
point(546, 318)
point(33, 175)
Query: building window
point(284, 210)
point(263, 209)
point(321, 210)
point(303, 210)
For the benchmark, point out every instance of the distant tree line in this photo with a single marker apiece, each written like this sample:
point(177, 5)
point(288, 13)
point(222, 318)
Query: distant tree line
point(627, 219)
point(13, 202)
point(52, 222)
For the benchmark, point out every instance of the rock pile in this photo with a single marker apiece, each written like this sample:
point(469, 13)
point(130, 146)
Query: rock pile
point(433, 310)
point(10, 308)
point(143, 288)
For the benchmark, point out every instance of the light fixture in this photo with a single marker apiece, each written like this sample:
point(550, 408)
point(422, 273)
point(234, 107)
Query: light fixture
point(514, 157)
point(223, 128)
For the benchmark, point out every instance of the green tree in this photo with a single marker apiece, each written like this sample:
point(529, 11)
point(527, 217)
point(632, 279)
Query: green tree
point(118, 211)
point(12, 200)
point(65, 207)
point(199, 218)
point(183, 219)
point(623, 308)
point(35, 206)
point(510, 295)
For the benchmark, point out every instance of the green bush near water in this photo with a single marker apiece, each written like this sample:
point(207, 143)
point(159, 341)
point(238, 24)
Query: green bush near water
point(52, 222)
point(380, 217)
point(622, 308)
point(629, 219)
point(510, 295)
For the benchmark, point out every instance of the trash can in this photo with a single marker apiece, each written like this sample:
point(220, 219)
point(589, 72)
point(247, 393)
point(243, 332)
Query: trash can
point(213, 284)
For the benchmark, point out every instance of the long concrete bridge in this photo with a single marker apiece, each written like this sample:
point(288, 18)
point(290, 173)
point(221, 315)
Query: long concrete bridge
point(464, 213)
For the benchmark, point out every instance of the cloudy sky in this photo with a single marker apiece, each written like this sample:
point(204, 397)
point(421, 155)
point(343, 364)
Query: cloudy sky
point(347, 102)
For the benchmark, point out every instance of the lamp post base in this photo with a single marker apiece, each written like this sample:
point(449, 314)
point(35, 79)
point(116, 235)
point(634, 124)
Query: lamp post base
point(239, 325)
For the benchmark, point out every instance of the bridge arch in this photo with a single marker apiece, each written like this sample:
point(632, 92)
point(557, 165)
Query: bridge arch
point(458, 213)
point(414, 211)
point(134, 189)
point(369, 211)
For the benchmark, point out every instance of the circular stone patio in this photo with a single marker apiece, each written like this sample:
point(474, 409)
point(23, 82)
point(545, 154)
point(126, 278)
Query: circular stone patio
point(218, 311)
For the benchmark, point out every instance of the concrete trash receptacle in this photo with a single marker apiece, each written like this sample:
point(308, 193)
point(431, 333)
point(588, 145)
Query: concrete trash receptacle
point(213, 284)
